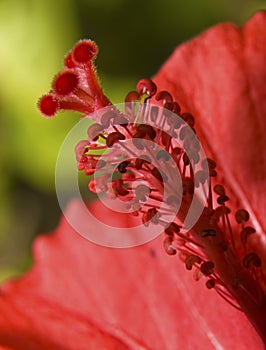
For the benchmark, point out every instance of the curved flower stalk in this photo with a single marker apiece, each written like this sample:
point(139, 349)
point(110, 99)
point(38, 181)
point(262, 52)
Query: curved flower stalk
point(221, 248)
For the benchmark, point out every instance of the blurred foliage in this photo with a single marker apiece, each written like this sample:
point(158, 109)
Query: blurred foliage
point(135, 38)
point(33, 41)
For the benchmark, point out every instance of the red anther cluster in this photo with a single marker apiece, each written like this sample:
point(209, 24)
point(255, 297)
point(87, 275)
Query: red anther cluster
point(76, 88)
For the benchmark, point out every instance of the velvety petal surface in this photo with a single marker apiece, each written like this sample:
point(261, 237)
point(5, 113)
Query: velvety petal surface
point(220, 77)
point(82, 296)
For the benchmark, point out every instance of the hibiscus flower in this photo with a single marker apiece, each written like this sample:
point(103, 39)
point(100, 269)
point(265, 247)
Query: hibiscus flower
point(82, 296)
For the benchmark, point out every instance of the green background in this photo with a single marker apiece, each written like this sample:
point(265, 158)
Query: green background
point(134, 37)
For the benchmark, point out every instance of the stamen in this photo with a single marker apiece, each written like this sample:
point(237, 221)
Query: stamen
point(146, 87)
point(132, 96)
point(122, 167)
point(151, 215)
point(210, 283)
point(252, 260)
point(242, 216)
point(164, 96)
point(173, 107)
point(172, 228)
point(207, 268)
point(192, 260)
point(189, 119)
point(245, 233)
point(118, 187)
point(142, 192)
point(219, 189)
point(168, 245)
point(114, 137)
point(208, 233)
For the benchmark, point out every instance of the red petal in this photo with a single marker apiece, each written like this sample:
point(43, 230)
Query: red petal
point(29, 322)
point(220, 77)
point(83, 296)
point(79, 293)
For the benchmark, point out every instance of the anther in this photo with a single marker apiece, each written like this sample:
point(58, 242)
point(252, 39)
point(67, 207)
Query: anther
point(94, 131)
point(188, 186)
point(168, 245)
point(186, 133)
point(148, 130)
point(159, 175)
point(207, 268)
point(145, 158)
point(114, 137)
point(191, 260)
point(163, 155)
point(246, 232)
point(241, 216)
point(210, 165)
point(252, 260)
point(138, 163)
point(132, 96)
point(150, 216)
point(189, 119)
point(210, 284)
point(186, 160)
point(138, 140)
point(208, 233)
point(165, 138)
point(142, 192)
point(222, 199)
point(164, 96)
point(222, 210)
point(118, 186)
point(146, 86)
point(122, 167)
point(172, 228)
point(171, 118)
point(219, 189)
point(107, 117)
point(200, 177)
point(173, 107)
point(176, 152)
